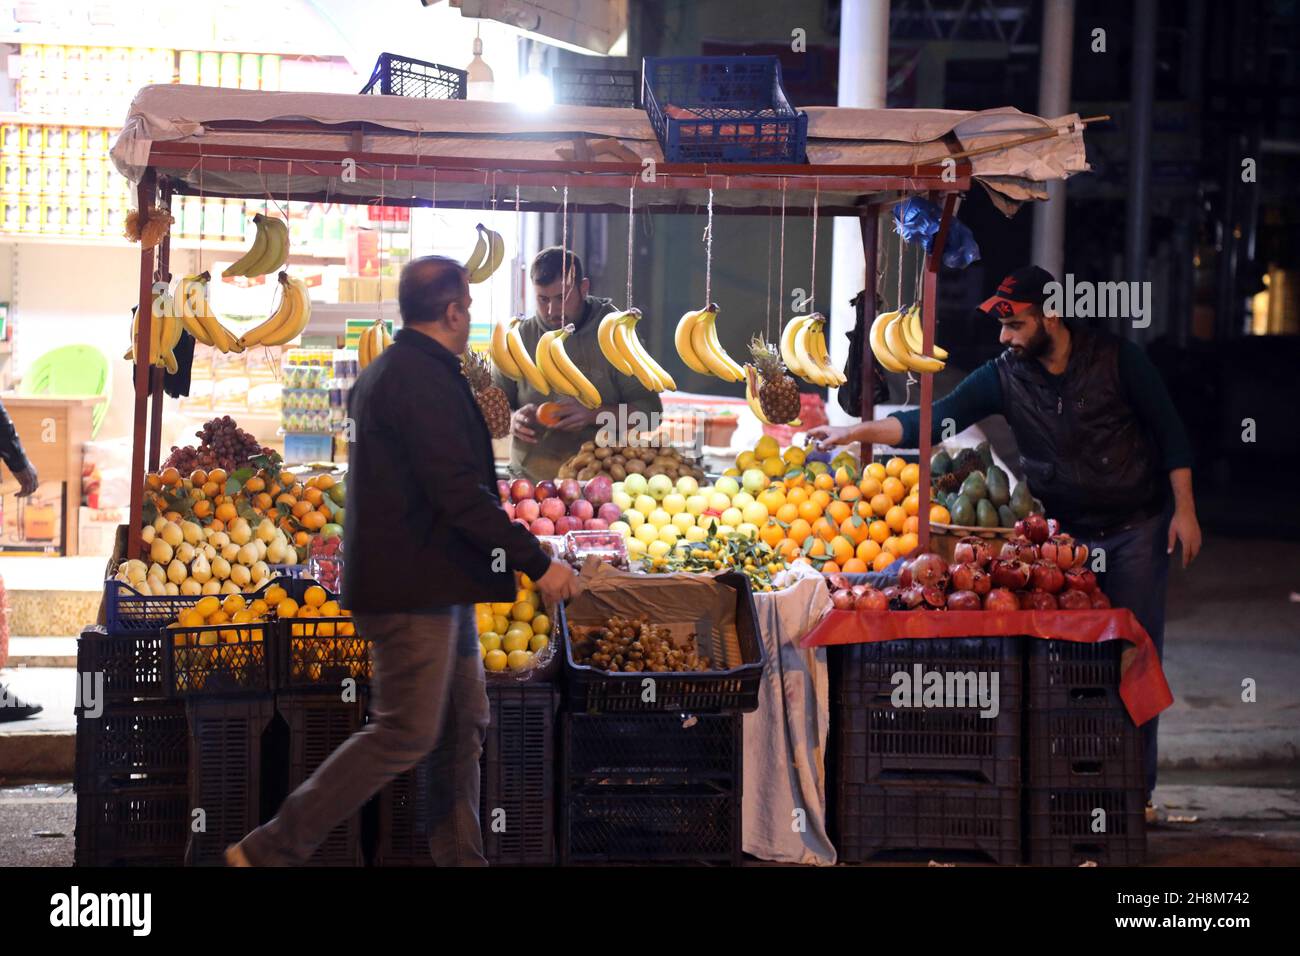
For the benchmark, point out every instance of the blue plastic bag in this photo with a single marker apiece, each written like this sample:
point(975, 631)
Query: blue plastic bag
point(917, 219)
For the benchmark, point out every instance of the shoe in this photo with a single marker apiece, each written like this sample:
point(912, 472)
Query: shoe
point(1152, 816)
point(13, 707)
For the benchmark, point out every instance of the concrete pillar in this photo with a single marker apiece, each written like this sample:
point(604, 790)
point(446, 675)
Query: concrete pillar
point(1141, 100)
point(864, 71)
point(1054, 64)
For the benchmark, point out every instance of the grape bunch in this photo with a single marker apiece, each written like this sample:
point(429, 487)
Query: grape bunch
point(222, 444)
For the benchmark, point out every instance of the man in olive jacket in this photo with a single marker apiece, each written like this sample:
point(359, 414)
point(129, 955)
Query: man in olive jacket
point(426, 537)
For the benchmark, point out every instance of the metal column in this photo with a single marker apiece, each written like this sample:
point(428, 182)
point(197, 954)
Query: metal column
point(1054, 65)
point(1142, 96)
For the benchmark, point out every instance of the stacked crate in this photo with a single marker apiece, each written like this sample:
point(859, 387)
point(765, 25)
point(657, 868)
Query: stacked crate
point(927, 781)
point(1085, 777)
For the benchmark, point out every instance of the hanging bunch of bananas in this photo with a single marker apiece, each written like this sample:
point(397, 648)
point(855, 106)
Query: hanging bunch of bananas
point(560, 371)
point(697, 343)
point(512, 358)
point(373, 341)
point(897, 339)
point(164, 332)
point(621, 347)
point(288, 321)
point(488, 253)
point(803, 349)
point(268, 252)
point(197, 317)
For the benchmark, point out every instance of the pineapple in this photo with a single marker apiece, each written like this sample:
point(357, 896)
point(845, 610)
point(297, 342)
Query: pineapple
point(492, 402)
point(778, 395)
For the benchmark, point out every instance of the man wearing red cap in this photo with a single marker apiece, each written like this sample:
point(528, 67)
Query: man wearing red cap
point(1100, 443)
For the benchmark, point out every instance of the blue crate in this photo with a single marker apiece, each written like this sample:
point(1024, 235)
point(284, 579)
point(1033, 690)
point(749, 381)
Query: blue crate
point(739, 110)
point(396, 75)
point(128, 611)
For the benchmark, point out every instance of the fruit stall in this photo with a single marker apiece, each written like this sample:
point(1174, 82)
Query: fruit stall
point(728, 588)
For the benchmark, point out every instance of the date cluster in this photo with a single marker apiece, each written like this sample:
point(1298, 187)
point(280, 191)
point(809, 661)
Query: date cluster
point(631, 646)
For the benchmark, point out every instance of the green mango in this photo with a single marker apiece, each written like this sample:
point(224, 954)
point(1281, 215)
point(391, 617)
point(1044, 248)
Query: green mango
point(974, 487)
point(963, 511)
point(985, 514)
point(1021, 501)
point(1006, 517)
point(339, 493)
point(999, 486)
point(985, 453)
point(941, 463)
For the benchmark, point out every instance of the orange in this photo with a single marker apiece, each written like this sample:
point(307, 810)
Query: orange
point(894, 467)
point(907, 543)
point(881, 503)
point(809, 511)
point(218, 475)
point(788, 549)
point(302, 508)
point(799, 531)
point(315, 596)
point(787, 513)
point(287, 500)
point(821, 498)
point(838, 511)
point(895, 517)
point(170, 477)
point(152, 482)
point(877, 471)
point(211, 489)
point(198, 477)
point(300, 538)
point(910, 474)
point(843, 476)
point(842, 549)
point(173, 516)
point(254, 484)
point(863, 509)
point(824, 482)
point(286, 478)
point(868, 550)
point(883, 560)
point(869, 487)
point(796, 496)
point(314, 495)
point(878, 532)
point(824, 529)
point(894, 488)
point(911, 525)
point(911, 504)
point(771, 533)
point(830, 567)
point(855, 566)
point(772, 499)
point(892, 544)
point(262, 502)
point(940, 515)
point(855, 529)
point(325, 482)
point(226, 512)
point(795, 480)
point(818, 549)
point(216, 524)
point(314, 520)
point(203, 508)
point(850, 493)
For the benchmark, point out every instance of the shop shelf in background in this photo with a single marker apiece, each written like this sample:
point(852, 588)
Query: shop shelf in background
point(1063, 827)
point(226, 780)
point(908, 821)
point(723, 109)
point(395, 75)
point(1084, 748)
point(695, 824)
point(611, 88)
point(1074, 674)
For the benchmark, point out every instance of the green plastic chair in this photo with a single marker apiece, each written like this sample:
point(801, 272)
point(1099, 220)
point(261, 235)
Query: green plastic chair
point(72, 370)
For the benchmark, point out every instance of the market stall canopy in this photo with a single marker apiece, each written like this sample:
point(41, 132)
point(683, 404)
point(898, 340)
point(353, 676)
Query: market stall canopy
point(466, 153)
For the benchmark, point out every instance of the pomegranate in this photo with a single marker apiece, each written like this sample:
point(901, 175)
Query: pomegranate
point(528, 509)
point(1045, 576)
point(890, 593)
point(609, 512)
point(1059, 550)
point(520, 489)
point(905, 574)
point(545, 489)
point(553, 508)
point(970, 577)
point(1074, 600)
point(503, 489)
point(1034, 528)
point(581, 509)
point(542, 526)
point(934, 597)
point(930, 571)
point(566, 523)
point(964, 601)
point(1010, 574)
point(509, 508)
point(1080, 579)
point(842, 600)
point(871, 600)
point(599, 490)
point(972, 550)
point(570, 490)
point(1041, 601)
point(838, 582)
point(908, 598)
point(1019, 548)
point(595, 524)
point(1000, 599)
point(1099, 600)
point(859, 589)
point(1025, 603)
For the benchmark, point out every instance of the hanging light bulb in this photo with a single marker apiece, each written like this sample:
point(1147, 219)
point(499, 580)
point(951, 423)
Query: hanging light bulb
point(478, 80)
point(533, 92)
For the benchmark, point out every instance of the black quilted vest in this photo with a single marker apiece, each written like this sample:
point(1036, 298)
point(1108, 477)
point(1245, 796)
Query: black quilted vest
point(1083, 449)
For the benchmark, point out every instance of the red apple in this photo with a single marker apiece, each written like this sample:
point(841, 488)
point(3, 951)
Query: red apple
point(964, 601)
point(528, 509)
point(871, 600)
point(564, 524)
point(1001, 599)
point(552, 509)
point(595, 524)
point(570, 490)
point(521, 489)
point(509, 508)
point(542, 526)
point(582, 509)
point(609, 512)
point(503, 489)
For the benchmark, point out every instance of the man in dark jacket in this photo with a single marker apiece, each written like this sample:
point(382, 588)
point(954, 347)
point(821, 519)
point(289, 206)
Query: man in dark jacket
point(426, 538)
point(1100, 443)
point(13, 707)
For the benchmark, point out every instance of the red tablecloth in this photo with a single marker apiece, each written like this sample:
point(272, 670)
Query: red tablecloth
point(1142, 685)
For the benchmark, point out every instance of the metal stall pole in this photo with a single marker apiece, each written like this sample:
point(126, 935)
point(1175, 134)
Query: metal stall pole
point(869, 223)
point(146, 192)
point(930, 288)
point(156, 374)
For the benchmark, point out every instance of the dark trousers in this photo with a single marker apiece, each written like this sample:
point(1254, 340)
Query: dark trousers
point(1137, 578)
point(427, 698)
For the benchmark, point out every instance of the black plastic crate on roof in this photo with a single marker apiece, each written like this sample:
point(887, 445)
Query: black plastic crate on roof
point(226, 780)
point(1074, 674)
point(593, 87)
point(1072, 827)
point(903, 821)
point(648, 749)
point(693, 824)
point(131, 740)
point(1085, 748)
point(396, 75)
point(317, 727)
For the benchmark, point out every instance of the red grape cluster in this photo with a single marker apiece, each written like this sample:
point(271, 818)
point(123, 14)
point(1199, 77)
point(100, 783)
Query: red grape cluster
point(223, 444)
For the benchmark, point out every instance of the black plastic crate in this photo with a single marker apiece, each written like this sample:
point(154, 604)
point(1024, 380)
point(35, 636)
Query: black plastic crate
point(650, 749)
point(611, 88)
point(126, 609)
point(403, 819)
point(395, 75)
point(877, 741)
point(594, 691)
point(723, 109)
point(130, 664)
point(131, 741)
point(1073, 674)
point(692, 824)
point(1084, 748)
point(1061, 827)
point(140, 823)
point(317, 726)
point(318, 654)
point(238, 662)
point(225, 779)
point(517, 776)
point(907, 821)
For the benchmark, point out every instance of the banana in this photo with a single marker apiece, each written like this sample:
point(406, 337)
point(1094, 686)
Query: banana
point(704, 341)
point(817, 348)
point(221, 337)
point(898, 347)
point(751, 397)
point(547, 365)
point(803, 352)
point(364, 355)
point(913, 335)
point(500, 352)
point(878, 347)
point(587, 393)
point(531, 373)
point(255, 252)
point(187, 288)
point(793, 329)
point(682, 339)
point(623, 337)
point(373, 341)
point(605, 338)
point(285, 317)
point(488, 254)
point(476, 258)
point(269, 250)
point(657, 371)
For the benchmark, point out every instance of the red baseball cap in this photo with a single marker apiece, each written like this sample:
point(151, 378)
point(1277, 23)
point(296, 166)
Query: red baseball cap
point(1022, 290)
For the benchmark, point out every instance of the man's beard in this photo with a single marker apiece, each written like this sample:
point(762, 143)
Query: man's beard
point(1038, 346)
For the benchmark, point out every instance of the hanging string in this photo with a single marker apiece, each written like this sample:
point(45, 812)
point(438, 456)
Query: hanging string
point(709, 251)
point(492, 292)
point(767, 318)
point(902, 246)
point(780, 282)
point(812, 293)
point(631, 197)
point(519, 238)
point(564, 255)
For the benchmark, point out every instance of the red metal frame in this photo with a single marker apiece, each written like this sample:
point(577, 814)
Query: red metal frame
point(866, 183)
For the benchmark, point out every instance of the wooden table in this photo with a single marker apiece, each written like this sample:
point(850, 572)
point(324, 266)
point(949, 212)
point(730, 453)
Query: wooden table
point(53, 430)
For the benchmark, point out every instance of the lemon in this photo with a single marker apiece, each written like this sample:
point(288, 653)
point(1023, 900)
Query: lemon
point(519, 627)
point(347, 629)
point(218, 617)
point(746, 460)
point(773, 467)
point(207, 606)
point(482, 651)
point(490, 640)
point(541, 624)
point(515, 642)
point(274, 595)
point(233, 603)
point(766, 448)
point(538, 642)
point(495, 660)
point(501, 607)
point(329, 609)
point(259, 607)
point(523, 611)
point(500, 623)
point(191, 618)
point(484, 620)
point(519, 660)
point(795, 456)
point(286, 608)
point(529, 597)
point(315, 596)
